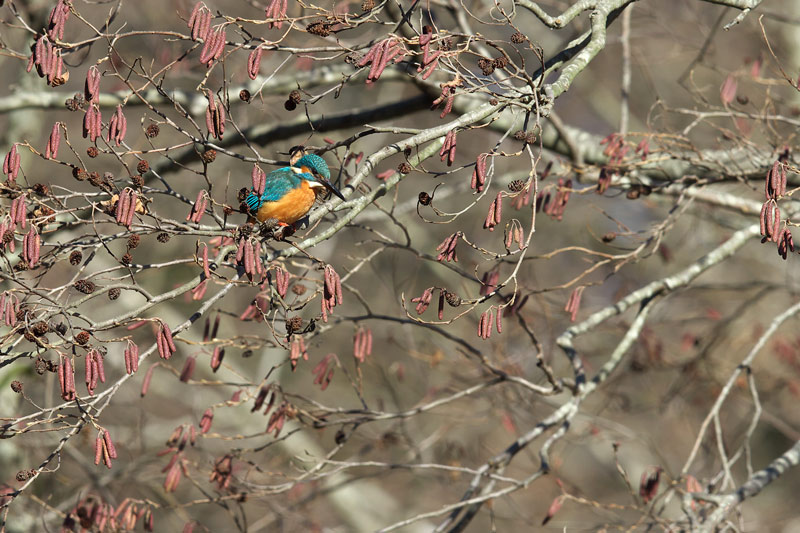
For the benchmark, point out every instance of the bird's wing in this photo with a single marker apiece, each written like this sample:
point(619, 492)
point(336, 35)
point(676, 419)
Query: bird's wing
point(277, 184)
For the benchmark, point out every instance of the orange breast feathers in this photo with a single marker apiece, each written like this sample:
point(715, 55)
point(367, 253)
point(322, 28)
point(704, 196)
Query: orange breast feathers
point(292, 207)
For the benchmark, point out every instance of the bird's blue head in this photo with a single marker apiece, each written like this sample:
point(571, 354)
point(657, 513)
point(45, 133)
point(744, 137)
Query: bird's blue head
point(316, 164)
point(319, 171)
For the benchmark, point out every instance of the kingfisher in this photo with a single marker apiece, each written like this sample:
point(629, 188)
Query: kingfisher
point(290, 192)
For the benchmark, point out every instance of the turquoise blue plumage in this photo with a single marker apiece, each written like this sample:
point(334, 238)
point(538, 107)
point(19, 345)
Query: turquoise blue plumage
point(282, 180)
point(289, 192)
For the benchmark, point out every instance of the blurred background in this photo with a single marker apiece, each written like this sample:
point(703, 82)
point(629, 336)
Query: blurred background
point(382, 417)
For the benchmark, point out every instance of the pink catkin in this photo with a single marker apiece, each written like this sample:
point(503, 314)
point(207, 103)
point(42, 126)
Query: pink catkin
point(481, 323)
point(479, 173)
point(160, 344)
point(58, 19)
point(240, 250)
point(357, 350)
point(199, 21)
point(117, 126)
point(168, 337)
point(423, 301)
point(728, 89)
point(276, 10)
point(69, 379)
point(205, 421)
point(494, 215)
point(31, 62)
point(131, 358)
point(188, 369)
point(204, 258)
point(92, 123)
point(148, 378)
point(122, 205)
point(574, 303)
point(257, 257)
point(90, 378)
point(98, 123)
point(66, 378)
point(112, 451)
point(205, 25)
point(21, 209)
point(448, 106)
point(259, 179)
point(339, 298)
point(53, 59)
point(193, 16)
point(431, 68)
point(131, 209)
point(216, 358)
point(210, 113)
point(489, 282)
point(220, 44)
point(11, 164)
point(98, 449)
point(213, 47)
point(219, 123)
point(53, 143)
point(424, 42)
point(31, 247)
point(199, 207)
point(448, 150)
point(380, 55)
point(39, 51)
point(170, 344)
point(447, 249)
point(46, 61)
point(200, 291)
point(282, 278)
point(249, 260)
point(92, 85)
point(215, 117)
point(254, 62)
point(776, 224)
point(18, 213)
point(333, 287)
point(362, 344)
point(208, 48)
point(380, 50)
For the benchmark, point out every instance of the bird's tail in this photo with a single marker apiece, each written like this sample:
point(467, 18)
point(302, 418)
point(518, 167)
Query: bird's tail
point(253, 201)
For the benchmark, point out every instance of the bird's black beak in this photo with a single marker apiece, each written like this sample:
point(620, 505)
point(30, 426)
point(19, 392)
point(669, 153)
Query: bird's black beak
point(330, 187)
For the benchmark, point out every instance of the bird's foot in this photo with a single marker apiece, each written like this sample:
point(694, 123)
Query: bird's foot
point(283, 231)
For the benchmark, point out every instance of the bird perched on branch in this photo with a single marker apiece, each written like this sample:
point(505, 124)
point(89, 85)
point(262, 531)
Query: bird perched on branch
point(290, 192)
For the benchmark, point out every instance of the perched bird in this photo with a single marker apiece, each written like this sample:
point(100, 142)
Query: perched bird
point(291, 191)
